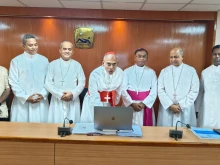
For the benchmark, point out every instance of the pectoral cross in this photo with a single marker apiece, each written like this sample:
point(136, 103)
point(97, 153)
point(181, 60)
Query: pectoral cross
point(107, 98)
point(62, 81)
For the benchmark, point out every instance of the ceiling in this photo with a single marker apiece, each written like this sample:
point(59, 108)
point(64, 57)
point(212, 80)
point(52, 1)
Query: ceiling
point(156, 5)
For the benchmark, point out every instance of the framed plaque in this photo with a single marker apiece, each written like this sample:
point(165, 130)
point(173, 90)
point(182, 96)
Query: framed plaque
point(84, 38)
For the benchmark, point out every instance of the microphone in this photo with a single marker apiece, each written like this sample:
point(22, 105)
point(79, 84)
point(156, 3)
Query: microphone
point(178, 133)
point(63, 131)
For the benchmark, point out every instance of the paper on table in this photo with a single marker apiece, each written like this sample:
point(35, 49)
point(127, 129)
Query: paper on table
point(135, 133)
point(88, 128)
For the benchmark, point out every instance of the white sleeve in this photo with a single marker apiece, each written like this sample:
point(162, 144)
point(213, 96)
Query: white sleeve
point(150, 99)
point(49, 84)
point(81, 83)
point(93, 91)
point(165, 101)
point(193, 92)
point(14, 82)
point(125, 96)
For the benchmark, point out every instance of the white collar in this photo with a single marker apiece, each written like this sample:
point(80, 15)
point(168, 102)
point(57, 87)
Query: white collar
point(139, 67)
point(29, 55)
point(178, 67)
point(65, 62)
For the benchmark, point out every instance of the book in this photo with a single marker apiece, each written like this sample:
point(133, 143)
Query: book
point(205, 133)
point(135, 132)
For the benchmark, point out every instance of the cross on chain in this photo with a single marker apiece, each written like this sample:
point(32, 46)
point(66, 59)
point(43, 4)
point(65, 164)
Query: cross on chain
point(62, 81)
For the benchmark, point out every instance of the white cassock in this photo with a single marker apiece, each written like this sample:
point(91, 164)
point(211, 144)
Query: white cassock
point(26, 76)
point(184, 80)
point(207, 102)
point(99, 81)
point(140, 79)
point(64, 76)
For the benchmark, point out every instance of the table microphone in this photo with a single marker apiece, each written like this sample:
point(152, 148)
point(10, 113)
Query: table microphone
point(63, 131)
point(178, 133)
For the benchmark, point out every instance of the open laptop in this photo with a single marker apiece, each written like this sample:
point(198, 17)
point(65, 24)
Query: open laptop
point(113, 118)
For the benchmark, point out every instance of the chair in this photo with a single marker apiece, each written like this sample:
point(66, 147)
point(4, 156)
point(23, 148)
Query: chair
point(81, 96)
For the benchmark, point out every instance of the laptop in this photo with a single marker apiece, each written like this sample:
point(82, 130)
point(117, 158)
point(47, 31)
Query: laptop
point(113, 118)
point(217, 131)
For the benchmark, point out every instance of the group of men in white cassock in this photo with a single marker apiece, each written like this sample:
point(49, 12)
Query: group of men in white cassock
point(32, 77)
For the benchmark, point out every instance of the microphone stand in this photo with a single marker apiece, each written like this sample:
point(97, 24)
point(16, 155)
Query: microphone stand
point(63, 131)
point(177, 133)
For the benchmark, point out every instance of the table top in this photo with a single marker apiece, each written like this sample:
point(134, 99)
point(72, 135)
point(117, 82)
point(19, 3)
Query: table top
point(47, 133)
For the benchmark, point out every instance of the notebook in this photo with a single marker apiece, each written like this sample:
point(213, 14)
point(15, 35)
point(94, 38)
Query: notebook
point(113, 118)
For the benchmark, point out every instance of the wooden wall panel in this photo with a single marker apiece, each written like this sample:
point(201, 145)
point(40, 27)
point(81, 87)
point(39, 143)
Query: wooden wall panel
point(121, 36)
point(158, 32)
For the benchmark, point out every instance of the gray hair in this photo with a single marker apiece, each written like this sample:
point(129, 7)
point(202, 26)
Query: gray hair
point(61, 44)
point(179, 50)
point(110, 55)
point(27, 36)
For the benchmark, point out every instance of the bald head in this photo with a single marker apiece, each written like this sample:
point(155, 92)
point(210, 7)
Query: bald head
point(110, 62)
point(176, 56)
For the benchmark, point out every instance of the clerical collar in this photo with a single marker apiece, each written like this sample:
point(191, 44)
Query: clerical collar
point(178, 67)
point(139, 67)
point(66, 62)
point(216, 66)
point(29, 55)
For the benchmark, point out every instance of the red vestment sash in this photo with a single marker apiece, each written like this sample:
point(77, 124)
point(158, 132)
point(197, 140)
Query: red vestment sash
point(108, 97)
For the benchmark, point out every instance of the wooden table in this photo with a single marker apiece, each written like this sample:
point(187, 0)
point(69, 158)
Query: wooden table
point(39, 144)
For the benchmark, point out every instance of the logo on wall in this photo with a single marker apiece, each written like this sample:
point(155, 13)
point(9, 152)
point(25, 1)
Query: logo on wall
point(84, 38)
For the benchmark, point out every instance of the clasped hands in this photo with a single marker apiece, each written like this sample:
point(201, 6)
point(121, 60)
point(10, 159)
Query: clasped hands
point(67, 96)
point(138, 106)
point(35, 98)
point(175, 108)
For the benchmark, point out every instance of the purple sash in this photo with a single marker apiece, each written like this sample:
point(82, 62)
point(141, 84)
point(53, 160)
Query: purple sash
point(147, 121)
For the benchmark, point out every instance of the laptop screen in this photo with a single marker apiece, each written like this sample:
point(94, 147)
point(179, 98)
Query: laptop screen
point(113, 118)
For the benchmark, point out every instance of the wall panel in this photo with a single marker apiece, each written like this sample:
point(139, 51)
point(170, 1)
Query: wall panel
point(158, 32)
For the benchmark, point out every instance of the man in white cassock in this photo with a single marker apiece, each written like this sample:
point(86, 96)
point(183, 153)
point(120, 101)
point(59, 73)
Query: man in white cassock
point(140, 89)
point(178, 87)
point(207, 102)
point(104, 87)
point(65, 81)
point(26, 76)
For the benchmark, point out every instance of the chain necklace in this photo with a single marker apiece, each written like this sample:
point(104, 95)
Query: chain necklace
point(63, 76)
point(175, 88)
point(138, 82)
point(107, 79)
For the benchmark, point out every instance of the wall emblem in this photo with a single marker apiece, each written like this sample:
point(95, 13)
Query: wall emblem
point(84, 38)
